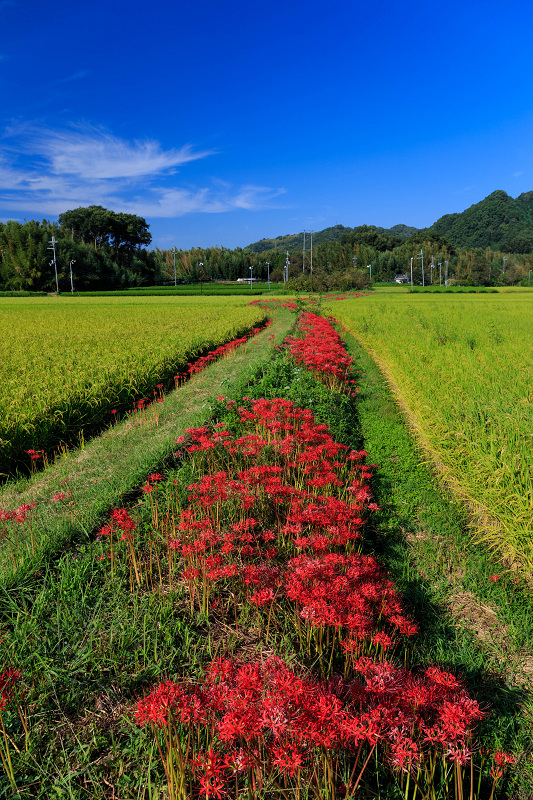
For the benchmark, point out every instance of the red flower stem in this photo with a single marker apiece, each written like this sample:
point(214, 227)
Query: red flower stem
point(352, 790)
point(6, 758)
point(356, 761)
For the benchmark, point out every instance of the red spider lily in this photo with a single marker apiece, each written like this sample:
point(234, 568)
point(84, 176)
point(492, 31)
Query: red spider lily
point(288, 759)
point(61, 496)
point(347, 593)
point(321, 350)
point(8, 682)
point(202, 362)
point(20, 516)
point(501, 762)
point(268, 718)
point(121, 523)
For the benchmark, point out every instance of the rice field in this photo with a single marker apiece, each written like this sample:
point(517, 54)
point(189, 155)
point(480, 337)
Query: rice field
point(462, 367)
point(66, 363)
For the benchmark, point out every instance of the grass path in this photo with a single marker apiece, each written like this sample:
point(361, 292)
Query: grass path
point(113, 464)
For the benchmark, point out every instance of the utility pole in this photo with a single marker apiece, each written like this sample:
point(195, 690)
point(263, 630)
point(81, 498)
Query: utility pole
point(303, 258)
point(354, 259)
point(421, 256)
point(251, 275)
point(268, 273)
point(504, 260)
point(287, 265)
point(411, 273)
point(440, 272)
point(175, 277)
point(432, 267)
point(311, 253)
point(71, 281)
point(446, 274)
point(52, 246)
point(201, 265)
point(369, 266)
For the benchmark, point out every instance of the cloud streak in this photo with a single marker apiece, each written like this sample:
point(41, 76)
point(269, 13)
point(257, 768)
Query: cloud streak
point(76, 76)
point(48, 172)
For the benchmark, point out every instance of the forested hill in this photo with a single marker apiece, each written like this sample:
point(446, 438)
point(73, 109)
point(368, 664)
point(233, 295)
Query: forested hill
point(295, 241)
point(498, 221)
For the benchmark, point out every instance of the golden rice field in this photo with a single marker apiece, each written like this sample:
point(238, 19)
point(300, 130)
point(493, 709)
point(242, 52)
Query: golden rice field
point(463, 369)
point(66, 362)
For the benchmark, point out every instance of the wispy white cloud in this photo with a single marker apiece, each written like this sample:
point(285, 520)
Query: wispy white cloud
point(76, 76)
point(518, 173)
point(48, 172)
point(94, 154)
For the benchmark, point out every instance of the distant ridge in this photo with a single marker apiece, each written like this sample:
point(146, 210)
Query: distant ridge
point(499, 222)
point(295, 241)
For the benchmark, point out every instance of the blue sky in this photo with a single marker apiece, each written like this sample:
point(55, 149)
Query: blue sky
point(224, 122)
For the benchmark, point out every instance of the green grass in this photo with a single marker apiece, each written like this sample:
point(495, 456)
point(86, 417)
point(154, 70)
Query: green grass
point(423, 536)
point(206, 289)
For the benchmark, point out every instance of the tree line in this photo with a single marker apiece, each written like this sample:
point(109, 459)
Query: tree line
point(109, 250)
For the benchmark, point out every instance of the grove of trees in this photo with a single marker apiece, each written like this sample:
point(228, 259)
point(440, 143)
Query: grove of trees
point(109, 251)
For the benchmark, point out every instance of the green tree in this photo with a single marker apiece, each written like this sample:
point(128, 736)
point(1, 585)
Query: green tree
point(96, 224)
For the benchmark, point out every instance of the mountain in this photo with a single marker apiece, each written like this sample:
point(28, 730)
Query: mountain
point(295, 241)
point(401, 231)
point(498, 221)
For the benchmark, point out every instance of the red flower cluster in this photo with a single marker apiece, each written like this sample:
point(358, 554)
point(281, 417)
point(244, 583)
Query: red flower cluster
point(265, 719)
point(346, 592)
point(295, 461)
point(202, 362)
point(272, 304)
point(8, 682)
point(122, 525)
point(121, 522)
point(35, 455)
point(321, 350)
point(275, 520)
point(20, 514)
